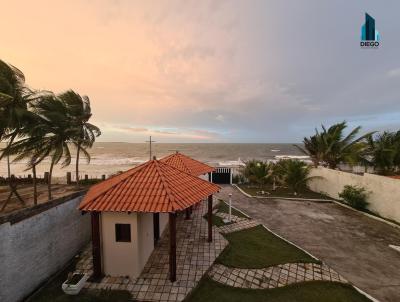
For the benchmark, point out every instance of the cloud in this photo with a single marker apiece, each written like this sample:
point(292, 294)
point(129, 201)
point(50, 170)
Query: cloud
point(209, 70)
point(164, 132)
point(133, 129)
point(220, 118)
point(394, 72)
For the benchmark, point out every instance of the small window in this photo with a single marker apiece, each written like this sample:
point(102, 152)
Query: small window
point(122, 232)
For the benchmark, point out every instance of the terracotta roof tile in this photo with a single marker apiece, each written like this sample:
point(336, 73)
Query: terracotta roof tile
point(187, 164)
point(151, 187)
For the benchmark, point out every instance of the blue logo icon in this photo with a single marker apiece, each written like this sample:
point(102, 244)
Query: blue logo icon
point(370, 37)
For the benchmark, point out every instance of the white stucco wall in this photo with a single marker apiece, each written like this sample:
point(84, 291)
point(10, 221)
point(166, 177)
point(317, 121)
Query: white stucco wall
point(384, 198)
point(119, 258)
point(146, 238)
point(128, 258)
point(163, 221)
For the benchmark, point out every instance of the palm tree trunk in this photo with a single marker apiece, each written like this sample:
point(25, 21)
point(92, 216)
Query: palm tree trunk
point(8, 166)
point(77, 164)
point(34, 185)
point(49, 180)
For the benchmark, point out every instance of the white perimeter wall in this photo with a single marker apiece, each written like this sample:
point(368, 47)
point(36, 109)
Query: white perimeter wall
point(37, 247)
point(384, 198)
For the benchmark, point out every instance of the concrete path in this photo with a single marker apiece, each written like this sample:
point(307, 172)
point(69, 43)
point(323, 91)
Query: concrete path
point(273, 276)
point(353, 244)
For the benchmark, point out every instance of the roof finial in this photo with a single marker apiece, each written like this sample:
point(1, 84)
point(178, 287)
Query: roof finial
point(154, 157)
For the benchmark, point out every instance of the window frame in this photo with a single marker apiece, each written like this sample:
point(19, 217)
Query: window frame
point(123, 232)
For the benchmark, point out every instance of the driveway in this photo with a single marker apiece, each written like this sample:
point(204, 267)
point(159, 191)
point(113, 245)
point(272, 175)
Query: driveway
point(353, 244)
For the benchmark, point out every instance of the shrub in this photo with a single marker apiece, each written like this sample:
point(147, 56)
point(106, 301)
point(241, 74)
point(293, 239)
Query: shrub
point(238, 179)
point(355, 196)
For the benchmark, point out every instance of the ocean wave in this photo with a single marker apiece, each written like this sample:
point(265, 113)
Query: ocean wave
point(117, 161)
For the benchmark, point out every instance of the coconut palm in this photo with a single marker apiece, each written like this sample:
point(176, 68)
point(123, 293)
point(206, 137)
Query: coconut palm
point(79, 112)
point(384, 152)
point(314, 147)
point(256, 172)
point(331, 146)
point(13, 104)
point(51, 136)
point(276, 172)
point(296, 174)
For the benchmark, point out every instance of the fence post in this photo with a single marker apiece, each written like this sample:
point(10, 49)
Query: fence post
point(68, 178)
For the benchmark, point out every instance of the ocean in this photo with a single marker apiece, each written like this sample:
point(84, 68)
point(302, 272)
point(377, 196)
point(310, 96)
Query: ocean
point(108, 158)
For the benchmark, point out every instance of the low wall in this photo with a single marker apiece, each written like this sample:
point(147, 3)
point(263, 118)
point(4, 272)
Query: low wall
point(35, 243)
point(384, 198)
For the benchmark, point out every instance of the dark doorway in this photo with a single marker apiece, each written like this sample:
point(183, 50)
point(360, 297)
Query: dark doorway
point(156, 227)
point(222, 176)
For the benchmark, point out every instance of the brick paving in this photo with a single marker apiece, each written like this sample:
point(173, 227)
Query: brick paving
point(194, 257)
point(275, 276)
point(233, 217)
point(238, 226)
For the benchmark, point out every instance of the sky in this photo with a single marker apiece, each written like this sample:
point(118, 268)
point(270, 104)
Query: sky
point(211, 71)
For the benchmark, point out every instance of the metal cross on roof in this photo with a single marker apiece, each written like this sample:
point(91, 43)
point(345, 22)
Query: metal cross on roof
point(150, 141)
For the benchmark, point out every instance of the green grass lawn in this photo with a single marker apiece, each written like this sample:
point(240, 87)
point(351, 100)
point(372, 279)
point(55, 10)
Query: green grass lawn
point(217, 221)
point(281, 192)
point(52, 292)
point(223, 207)
point(259, 248)
point(314, 291)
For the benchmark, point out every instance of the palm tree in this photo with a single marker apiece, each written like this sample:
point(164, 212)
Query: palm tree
point(276, 172)
point(332, 147)
point(51, 136)
point(296, 174)
point(314, 147)
point(384, 152)
point(79, 112)
point(256, 172)
point(13, 104)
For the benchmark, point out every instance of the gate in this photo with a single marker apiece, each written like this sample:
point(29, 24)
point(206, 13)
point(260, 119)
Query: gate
point(222, 176)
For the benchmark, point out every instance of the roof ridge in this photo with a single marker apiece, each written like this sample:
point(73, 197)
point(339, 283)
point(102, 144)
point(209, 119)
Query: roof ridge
point(165, 183)
point(181, 157)
point(191, 175)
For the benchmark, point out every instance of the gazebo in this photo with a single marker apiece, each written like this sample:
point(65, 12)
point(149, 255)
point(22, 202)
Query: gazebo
point(128, 202)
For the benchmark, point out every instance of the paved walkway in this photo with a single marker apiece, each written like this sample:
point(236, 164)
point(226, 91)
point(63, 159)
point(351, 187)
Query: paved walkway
point(194, 257)
point(274, 276)
point(238, 226)
point(348, 241)
point(226, 216)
